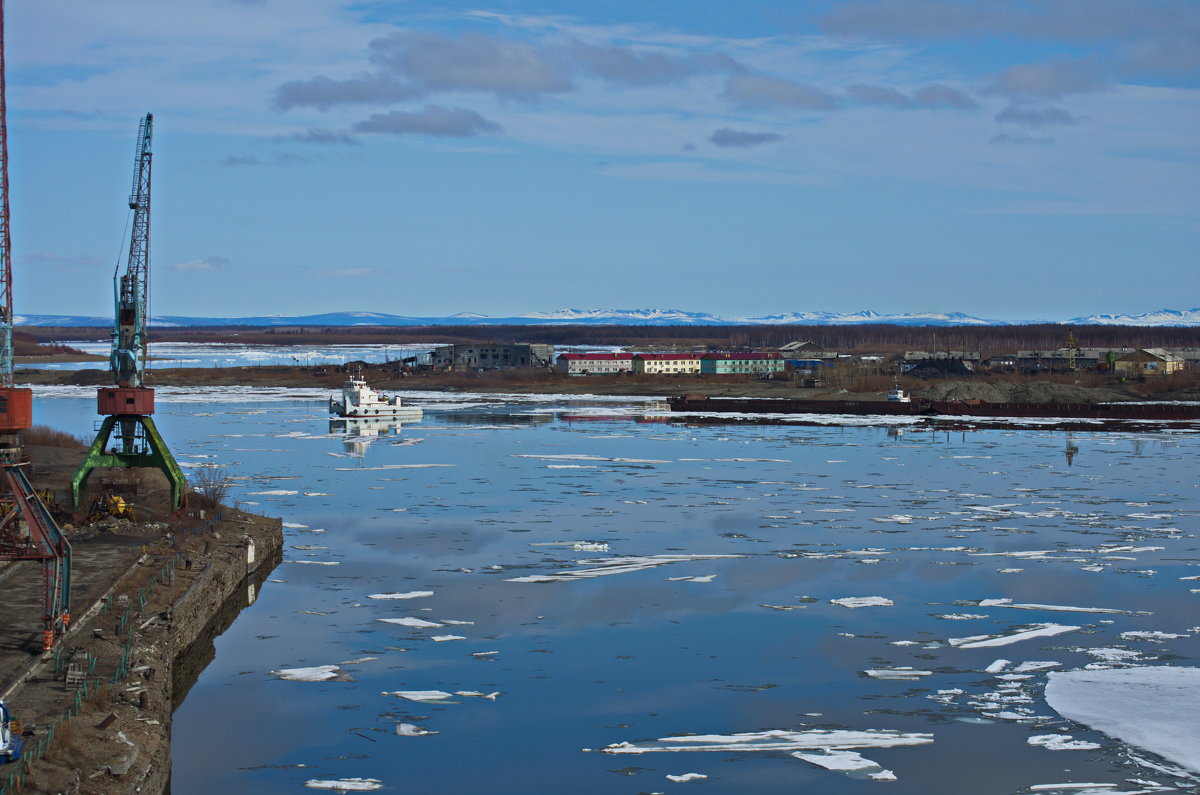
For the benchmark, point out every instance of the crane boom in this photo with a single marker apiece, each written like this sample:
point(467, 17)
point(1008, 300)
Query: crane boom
point(132, 289)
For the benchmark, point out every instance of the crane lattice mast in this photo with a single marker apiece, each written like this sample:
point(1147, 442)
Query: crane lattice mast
point(132, 289)
point(27, 530)
point(127, 406)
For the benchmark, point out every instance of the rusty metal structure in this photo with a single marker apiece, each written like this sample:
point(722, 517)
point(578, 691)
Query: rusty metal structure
point(27, 529)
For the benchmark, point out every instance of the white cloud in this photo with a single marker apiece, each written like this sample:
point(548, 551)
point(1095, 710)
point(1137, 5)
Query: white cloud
point(202, 265)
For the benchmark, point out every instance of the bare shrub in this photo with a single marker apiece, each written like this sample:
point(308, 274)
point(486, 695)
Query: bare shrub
point(45, 436)
point(211, 486)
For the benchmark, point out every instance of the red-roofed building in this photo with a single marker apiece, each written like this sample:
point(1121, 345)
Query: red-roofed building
point(594, 363)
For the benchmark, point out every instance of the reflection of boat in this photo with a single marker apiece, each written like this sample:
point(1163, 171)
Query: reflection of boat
point(360, 400)
point(10, 744)
point(359, 432)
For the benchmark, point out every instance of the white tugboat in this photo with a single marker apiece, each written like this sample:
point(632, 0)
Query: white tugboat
point(361, 401)
point(898, 395)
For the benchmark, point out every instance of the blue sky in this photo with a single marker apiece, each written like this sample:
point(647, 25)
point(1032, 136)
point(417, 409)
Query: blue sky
point(1012, 159)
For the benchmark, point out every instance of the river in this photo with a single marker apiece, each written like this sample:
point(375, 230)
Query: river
point(536, 594)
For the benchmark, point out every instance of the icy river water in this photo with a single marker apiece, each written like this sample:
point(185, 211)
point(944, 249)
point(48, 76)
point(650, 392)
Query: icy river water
point(552, 595)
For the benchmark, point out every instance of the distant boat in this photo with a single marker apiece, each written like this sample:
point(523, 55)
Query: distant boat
point(361, 401)
point(898, 395)
point(10, 744)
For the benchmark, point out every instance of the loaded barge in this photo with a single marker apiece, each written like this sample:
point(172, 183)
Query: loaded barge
point(937, 408)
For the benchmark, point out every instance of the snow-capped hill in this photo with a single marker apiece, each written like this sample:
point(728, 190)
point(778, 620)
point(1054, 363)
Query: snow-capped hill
point(869, 317)
point(1163, 317)
point(625, 317)
point(673, 316)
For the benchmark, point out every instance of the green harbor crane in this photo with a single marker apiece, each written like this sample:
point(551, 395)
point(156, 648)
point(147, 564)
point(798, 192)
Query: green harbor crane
point(127, 406)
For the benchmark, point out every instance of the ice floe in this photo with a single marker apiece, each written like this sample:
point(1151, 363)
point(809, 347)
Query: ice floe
point(846, 762)
point(411, 621)
point(1061, 742)
point(1156, 708)
point(1033, 631)
point(345, 784)
point(906, 673)
point(863, 601)
point(316, 673)
point(412, 730)
point(444, 638)
point(599, 567)
point(396, 595)
point(1059, 608)
point(775, 740)
point(685, 777)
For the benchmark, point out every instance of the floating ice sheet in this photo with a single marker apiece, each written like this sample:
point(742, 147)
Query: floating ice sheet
point(599, 567)
point(396, 595)
point(776, 740)
point(316, 673)
point(411, 621)
point(1033, 631)
point(863, 601)
point(1059, 608)
point(847, 762)
point(345, 784)
point(1156, 708)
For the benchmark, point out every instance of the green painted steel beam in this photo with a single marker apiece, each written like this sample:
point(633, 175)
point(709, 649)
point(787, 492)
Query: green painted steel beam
point(158, 457)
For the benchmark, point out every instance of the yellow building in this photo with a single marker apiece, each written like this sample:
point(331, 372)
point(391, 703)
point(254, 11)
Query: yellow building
point(1149, 361)
point(666, 363)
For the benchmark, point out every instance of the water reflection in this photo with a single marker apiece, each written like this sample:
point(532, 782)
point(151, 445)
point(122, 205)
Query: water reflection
point(358, 433)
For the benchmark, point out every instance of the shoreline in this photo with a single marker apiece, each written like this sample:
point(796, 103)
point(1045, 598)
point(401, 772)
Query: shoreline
point(148, 598)
point(993, 388)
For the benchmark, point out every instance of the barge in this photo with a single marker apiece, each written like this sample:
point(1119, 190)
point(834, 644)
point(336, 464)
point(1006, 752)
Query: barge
point(937, 408)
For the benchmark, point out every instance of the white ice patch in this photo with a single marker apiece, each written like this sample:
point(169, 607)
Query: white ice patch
point(904, 673)
point(1154, 708)
point(776, 740)
point(700, 578)
point(444, 638)
point(405, 595)
point(272, 493)
point(419, 695)
point(1033, 631)
point(1060, 608)
point(1061, 742)
point(600, 567)
point(345, 784)
point(846, 762)
point(412, 730)
point(686, 777)
point(316, 673)
point(410, 621)
point(862, 601)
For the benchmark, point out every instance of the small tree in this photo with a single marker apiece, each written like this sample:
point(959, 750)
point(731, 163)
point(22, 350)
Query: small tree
point(211, 483)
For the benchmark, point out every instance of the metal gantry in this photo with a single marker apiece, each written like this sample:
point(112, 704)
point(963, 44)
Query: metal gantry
point(127, 407)
point(27, 530)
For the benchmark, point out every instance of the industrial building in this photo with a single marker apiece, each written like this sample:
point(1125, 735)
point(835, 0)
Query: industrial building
point(492, 357)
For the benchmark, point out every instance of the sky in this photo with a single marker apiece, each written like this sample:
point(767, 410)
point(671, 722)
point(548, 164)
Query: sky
point(1010, 159)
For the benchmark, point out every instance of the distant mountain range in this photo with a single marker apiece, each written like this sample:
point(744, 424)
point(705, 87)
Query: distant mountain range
point(627, 317)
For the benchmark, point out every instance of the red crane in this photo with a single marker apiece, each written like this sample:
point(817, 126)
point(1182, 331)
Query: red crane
point(27, 530)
